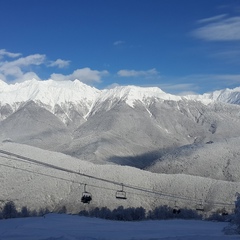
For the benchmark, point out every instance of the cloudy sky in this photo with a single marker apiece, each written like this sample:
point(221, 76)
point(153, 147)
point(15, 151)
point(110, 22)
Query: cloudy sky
point(180, 46)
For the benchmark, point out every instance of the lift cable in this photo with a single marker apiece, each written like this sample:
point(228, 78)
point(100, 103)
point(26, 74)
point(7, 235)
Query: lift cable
point(55, 177)
point(163, 194)
point(57, 167)
point(97, 178)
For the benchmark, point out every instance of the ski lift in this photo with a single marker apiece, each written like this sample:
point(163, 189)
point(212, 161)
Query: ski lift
point(200, 207)
point(86, 196)
point(121, 194)
point(176, 209)
point(224, 212)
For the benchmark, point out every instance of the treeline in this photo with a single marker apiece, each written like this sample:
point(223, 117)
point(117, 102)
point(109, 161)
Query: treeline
point(121, 214)
point(159, 213)
point(9, 211)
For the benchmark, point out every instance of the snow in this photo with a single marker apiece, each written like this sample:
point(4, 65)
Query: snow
point(193, 160)
point(39, 185)
point(36, 185)
point(52, 92)
point(47, 192)
point(73, 227)
point(133, 93)
point(225, 95)
point(48, 92)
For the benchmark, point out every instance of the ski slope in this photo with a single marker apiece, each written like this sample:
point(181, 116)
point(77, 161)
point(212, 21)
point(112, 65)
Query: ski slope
point(72, 227)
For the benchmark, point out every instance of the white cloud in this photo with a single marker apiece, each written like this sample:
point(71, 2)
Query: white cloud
point(212, 19)
point(119, 42)
point(2, 77)
point(133, 73)
point(192, 84)
point(224, 80)
point(180, 89)
point(229, 78)
point(14, 69)
point(113, 85)
point(35, 59)
point(219, 29)
point(23, 77)
point(230, 55)
point(21, 69)
point(84, 75)
point(59, 63)
point(3, 53)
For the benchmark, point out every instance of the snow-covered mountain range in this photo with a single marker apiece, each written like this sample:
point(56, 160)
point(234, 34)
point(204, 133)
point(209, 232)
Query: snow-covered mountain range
point(50, 94)
point(180, 138)
point(116, 125)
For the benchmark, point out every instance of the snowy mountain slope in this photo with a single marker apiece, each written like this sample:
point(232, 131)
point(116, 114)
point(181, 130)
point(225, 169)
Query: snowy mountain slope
point(34, 125)
point(66, 98)
point(48, 92)
point(124, 125)
point(131, 95)
point(226, 95)
point(218, 160)
point(121, 131)
point(36, 184)
point(138, 136)
point(62, 98)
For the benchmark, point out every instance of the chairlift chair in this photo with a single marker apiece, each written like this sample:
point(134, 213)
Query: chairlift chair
point(200, 207)
point(224, 212)
point(176, 209)
point(121, 194)
point(86, 196)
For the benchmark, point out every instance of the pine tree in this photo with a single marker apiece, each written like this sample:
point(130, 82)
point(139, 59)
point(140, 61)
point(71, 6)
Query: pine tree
point(234, 226)
point(9, 210)
point(236, 219)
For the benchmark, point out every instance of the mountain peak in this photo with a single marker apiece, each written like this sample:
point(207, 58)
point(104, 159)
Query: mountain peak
point(51, 92)
point(131, 93)
point(226, 95)
point(3, 85)
point(48, 92)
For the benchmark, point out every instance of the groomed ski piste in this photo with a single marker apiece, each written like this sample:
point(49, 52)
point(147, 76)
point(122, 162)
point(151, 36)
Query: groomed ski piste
point(71, 227)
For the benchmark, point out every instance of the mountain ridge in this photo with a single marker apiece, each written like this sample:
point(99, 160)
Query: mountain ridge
point(54, 92)
point(86, 99)
point(126, 125)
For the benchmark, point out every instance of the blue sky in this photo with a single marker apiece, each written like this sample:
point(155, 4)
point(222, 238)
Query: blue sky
point(181, 46)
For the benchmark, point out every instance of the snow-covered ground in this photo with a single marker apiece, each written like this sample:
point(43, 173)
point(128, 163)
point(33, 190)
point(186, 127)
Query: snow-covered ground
point(73, 227)
point(41, 184)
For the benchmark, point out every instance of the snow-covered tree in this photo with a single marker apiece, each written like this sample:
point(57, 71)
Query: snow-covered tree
point(24, 212)
point(234, 226)
point(9, 210)
point(236, 218)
